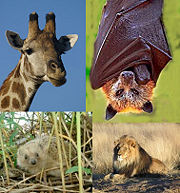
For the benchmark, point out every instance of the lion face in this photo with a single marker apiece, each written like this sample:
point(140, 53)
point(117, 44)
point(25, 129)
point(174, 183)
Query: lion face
point(126, 149)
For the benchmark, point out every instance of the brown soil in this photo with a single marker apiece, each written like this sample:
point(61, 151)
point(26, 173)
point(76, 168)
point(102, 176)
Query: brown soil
point(150, 184)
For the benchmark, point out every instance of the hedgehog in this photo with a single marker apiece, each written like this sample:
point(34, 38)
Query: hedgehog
point(35, 155)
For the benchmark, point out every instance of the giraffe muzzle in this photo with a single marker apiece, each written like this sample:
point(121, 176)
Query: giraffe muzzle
point(56, 73)
point(56, 67)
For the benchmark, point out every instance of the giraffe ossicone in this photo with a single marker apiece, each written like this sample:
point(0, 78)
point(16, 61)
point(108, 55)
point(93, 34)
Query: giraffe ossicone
point(40, 61)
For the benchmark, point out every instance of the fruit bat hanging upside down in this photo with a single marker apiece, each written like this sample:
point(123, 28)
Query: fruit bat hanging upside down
point(130, 52)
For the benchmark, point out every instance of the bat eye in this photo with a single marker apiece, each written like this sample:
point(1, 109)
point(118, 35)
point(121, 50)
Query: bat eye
point(135, 91)
point(119, 92)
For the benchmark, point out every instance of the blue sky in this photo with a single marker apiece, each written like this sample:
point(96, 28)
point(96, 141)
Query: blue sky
point(70, 18)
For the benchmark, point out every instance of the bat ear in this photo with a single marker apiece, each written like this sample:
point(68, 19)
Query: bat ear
point(110, 112)
point(148, 107)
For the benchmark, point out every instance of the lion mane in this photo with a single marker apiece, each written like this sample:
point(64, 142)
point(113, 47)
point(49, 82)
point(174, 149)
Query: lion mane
point(131, 159)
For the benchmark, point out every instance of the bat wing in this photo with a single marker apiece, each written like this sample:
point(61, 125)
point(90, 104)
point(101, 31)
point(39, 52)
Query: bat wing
point(130, 33)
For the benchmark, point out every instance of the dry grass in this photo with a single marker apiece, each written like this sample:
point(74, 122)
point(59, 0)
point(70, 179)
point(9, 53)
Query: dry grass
point(160, 140)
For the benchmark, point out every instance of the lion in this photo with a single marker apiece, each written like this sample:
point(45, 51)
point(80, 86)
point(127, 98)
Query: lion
point(130, 159)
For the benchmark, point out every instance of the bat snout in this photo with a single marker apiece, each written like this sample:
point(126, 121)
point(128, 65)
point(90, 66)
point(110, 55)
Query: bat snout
point(127, 76)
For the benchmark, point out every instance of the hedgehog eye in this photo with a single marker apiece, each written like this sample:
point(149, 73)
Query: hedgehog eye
point(25, 157)
point(134, 91)
point(37, 155)
point(119, 92)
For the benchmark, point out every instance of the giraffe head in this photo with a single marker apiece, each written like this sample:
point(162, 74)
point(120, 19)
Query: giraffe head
point(42, 50)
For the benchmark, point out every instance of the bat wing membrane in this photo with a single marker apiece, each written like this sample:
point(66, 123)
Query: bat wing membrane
point(132, 35)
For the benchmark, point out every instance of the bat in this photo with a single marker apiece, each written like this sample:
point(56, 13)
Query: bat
point(130, 52)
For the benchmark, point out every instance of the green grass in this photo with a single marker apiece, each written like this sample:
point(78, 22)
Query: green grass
point(166, 98)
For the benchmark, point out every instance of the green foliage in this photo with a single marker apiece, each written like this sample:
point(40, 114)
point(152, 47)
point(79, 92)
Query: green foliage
point(166, 96)
point(18, 128)
point(75, 169)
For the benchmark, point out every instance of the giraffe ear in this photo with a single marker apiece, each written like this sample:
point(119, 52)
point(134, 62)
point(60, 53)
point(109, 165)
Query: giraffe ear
point(67, 42)
point(14, 40)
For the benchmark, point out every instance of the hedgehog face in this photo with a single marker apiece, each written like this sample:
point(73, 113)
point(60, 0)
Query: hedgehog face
point(30, 157)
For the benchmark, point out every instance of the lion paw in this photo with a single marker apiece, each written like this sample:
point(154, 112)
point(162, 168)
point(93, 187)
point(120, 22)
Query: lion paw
point(118, 178)
point(108, 177)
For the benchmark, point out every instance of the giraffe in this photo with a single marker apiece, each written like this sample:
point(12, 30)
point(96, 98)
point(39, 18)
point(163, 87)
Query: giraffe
point(40, 61)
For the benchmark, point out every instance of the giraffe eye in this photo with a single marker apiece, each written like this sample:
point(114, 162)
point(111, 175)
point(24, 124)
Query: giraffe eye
point(28, 51)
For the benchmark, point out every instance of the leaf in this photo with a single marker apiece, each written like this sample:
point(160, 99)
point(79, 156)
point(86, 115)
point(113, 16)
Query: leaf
point(75, 169)
point(87, 170)
point(72, 170)
point(12, 137)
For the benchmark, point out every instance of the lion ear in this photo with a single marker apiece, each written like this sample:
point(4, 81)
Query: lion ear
point(110, 112)
point(116, 142)
point(132, 143)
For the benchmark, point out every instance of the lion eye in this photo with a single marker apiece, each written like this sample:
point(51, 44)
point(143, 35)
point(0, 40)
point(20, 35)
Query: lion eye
point(134, 91)
point(119, 92)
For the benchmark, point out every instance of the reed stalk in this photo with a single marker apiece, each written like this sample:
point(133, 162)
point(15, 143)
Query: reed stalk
point(59, 150)
point(78, 127)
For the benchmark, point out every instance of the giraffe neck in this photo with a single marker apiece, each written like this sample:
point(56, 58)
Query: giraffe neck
point(18, 90)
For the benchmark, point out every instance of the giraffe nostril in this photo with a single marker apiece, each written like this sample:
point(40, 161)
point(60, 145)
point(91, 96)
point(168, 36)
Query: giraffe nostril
point(53, 66)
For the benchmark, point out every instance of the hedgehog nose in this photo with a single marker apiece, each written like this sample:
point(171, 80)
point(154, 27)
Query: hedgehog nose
point(33, 162)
